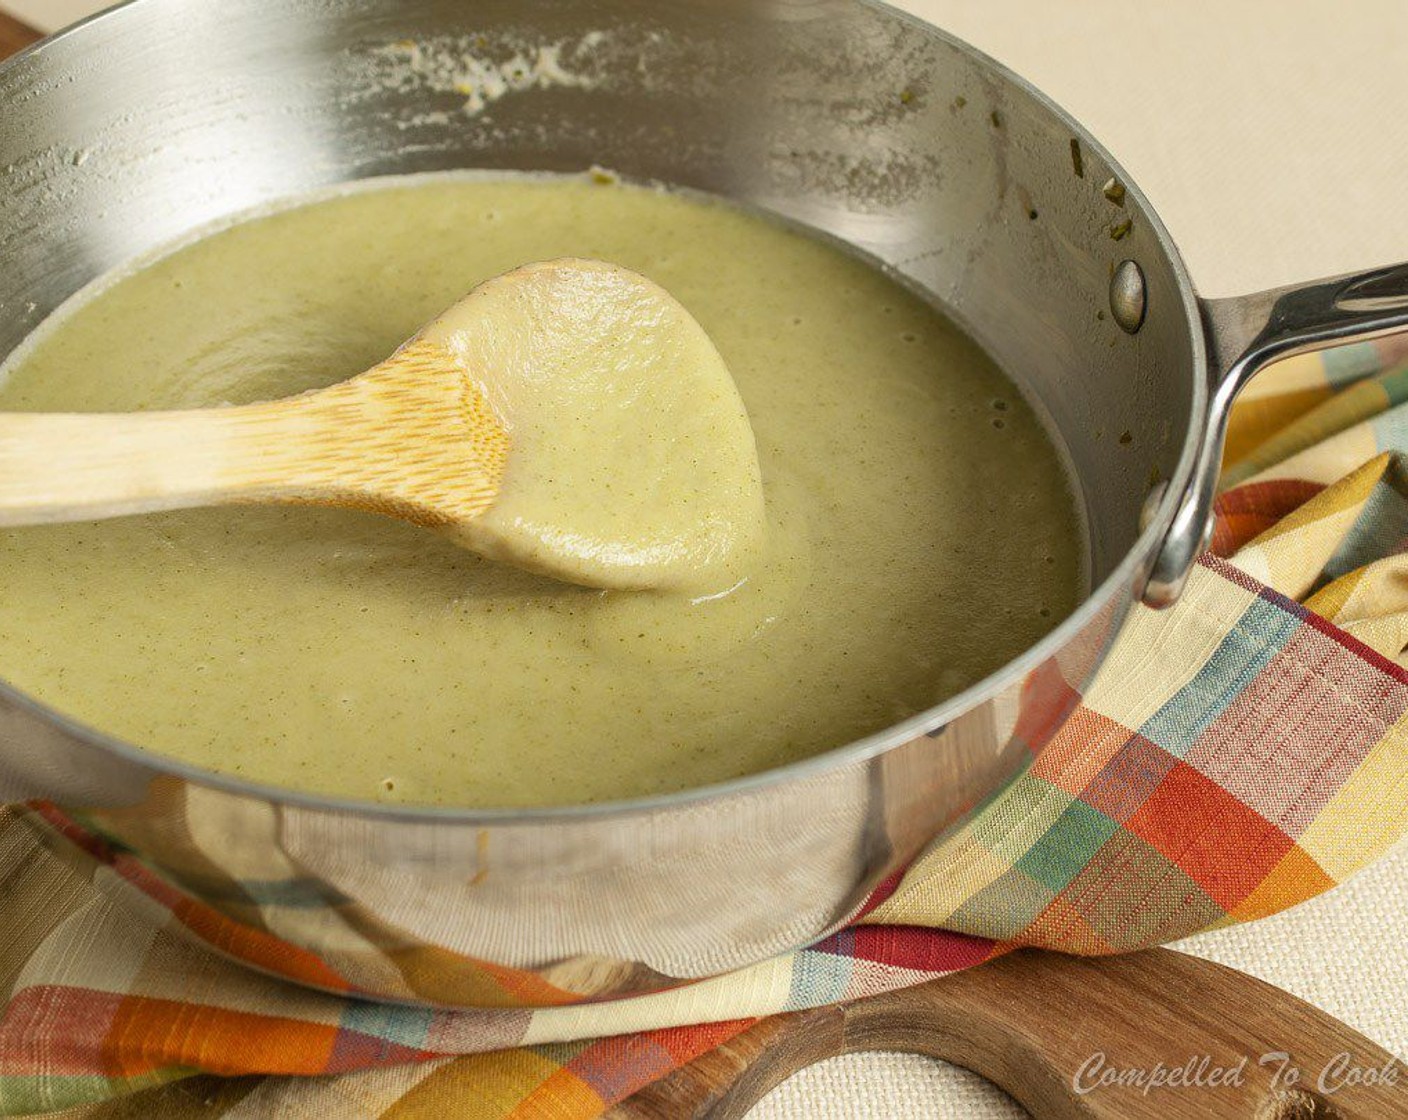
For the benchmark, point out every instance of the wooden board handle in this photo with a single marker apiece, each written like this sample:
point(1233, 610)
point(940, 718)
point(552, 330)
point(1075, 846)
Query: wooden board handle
point(1037, 1024)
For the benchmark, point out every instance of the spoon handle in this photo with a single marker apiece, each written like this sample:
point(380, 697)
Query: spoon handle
point(81, 467)
point(385, 442)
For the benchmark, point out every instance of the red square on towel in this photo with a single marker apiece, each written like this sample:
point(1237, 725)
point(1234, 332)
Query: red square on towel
point(1221, 844)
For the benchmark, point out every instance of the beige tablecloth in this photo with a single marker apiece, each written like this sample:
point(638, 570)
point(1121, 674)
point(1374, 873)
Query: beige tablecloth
point(1271, 136)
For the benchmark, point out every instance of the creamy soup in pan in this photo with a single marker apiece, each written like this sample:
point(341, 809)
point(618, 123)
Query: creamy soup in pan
point(920, 529)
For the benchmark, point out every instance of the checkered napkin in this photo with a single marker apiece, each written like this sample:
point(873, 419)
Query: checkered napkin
point(1238, 754)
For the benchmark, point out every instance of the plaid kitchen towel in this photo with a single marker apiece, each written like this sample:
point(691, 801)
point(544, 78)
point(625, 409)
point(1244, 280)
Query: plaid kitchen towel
point(1239, 754)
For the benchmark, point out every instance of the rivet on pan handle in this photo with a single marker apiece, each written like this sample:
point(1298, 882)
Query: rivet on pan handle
point(1245, 334)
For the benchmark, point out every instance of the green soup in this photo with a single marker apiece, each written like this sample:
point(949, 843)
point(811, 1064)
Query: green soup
point(921, 531)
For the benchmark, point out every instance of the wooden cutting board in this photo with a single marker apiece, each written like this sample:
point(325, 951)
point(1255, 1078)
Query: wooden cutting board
point(1051, 1029)
point(1048, 1029)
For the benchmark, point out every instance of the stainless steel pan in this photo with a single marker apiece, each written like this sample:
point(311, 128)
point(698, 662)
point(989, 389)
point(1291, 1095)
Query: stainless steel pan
point(842, 114)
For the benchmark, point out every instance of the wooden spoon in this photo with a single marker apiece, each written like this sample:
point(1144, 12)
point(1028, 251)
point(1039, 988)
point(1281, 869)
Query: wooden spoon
point(549, 419)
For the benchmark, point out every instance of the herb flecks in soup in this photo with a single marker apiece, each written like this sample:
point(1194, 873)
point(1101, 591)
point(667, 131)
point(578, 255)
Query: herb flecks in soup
point(920, 528)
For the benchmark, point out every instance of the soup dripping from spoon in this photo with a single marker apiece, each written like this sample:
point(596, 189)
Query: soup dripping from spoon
point(569, 417)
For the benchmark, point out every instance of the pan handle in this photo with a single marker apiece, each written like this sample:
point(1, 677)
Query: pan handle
point(1245, 334)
